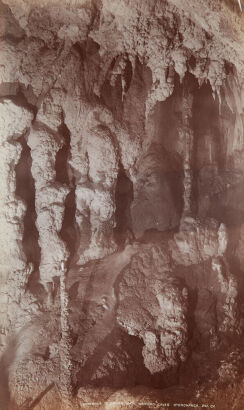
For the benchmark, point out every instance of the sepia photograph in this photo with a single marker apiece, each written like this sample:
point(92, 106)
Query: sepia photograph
point(121, 204)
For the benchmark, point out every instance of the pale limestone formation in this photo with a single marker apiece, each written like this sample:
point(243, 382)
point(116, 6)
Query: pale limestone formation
point(65, 384)
point(14, 122)
point(198, 243)
point(50, 197)
point(161, 324)
point(95, 179)
point(132, 177)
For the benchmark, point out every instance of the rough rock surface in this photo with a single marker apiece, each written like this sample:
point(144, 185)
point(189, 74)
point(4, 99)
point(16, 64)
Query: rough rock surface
point(121, 206)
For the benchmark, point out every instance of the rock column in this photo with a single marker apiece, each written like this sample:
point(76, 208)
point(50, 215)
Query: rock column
point(65, 383)
point(94, 162)
point(14, 121)
point(49, 201)
point(186, 134)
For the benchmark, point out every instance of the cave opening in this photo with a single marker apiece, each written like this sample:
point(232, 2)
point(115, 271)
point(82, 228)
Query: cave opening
point(115, 373)
point(123, 199)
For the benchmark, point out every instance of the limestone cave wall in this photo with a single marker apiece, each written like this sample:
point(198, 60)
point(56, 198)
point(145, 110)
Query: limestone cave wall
point(122, 203)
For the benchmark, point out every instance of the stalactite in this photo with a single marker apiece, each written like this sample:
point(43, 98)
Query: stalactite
point(162, 88)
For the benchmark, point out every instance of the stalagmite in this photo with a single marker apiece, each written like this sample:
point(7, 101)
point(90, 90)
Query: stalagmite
point(91, 141)
point(50, 197)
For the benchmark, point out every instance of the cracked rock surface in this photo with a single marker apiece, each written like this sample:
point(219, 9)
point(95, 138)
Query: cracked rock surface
point(121, 203)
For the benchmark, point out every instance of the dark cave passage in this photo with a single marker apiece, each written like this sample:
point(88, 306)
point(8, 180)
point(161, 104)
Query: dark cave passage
point(111, 96)
point(123, 201)
point(128, 75)
point(158, 202)
point(25, 189)
point(205, 122)
point(208, 146)
point(69, 231)
point(119, 344)
point(218, 184)
point(62, 156)
point(166, 118)
point(168, 121)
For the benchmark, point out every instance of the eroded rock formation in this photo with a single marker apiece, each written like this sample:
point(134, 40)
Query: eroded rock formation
point(121, 209)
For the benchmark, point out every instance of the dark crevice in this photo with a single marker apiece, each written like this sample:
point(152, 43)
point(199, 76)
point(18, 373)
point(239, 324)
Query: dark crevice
point(8, 89)
point(192, 62)
point(25, 189)
point(61, 166)
point(12, 33)
point(30, 97)
point(128, 75)
point(20, 94)
point(31, 404)
point(79, 48)
point(11, 39)
point(69, 231)
point(123, 200)
point(112, 64)
point(229, 68)
point(111, 96)
point(208, 154)
point(159, 189)
point(206, 120)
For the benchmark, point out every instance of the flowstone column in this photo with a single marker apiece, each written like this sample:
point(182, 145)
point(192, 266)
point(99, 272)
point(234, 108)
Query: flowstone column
point(50, 197)
point(96, 198)
point(65, 383)
point(94, 163)
point(14, 270)
point(187, 137)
